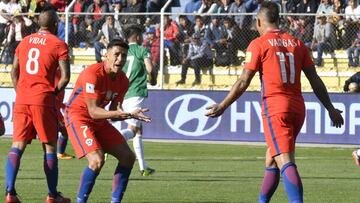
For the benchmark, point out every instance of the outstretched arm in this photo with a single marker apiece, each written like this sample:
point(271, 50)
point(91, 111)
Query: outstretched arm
point(236, 91)
point(322, 94)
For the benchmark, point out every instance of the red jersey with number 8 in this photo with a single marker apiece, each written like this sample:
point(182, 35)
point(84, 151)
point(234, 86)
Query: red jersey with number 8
point(39, 55)
point(279, 58)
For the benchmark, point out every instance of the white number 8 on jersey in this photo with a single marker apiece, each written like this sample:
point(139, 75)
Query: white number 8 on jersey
point(32, 64)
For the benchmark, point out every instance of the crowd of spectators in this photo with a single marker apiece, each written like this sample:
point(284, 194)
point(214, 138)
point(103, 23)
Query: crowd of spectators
point(327, 25)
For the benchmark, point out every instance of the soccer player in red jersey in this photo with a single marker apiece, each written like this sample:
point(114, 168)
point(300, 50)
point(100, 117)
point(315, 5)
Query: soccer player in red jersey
point(279, 58)
point(2, 126)
point(90, 132)
point(63, 138)
point(35, 63)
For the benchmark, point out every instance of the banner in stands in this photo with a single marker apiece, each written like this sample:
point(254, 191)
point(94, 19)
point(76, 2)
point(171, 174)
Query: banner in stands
point(180, 115)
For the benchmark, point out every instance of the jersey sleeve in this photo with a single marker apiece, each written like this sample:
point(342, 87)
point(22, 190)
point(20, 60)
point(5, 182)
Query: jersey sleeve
point(63, 51)
point(145, 53)
point(91, 85)
point(253, 56)
point(307, 62)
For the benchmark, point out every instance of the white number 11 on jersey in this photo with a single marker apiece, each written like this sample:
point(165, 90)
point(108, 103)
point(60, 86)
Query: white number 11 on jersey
point(283, 67)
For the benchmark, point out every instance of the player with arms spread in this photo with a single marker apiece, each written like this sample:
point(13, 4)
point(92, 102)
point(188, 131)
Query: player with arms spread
point(33, 75)
point(279, 58)
point(90, 132)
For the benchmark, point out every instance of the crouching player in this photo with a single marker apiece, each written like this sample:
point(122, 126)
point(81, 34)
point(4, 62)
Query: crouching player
point(86, 120)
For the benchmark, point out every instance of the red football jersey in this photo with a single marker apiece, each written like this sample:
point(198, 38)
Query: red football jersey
point(279, 58)
point(39, 55)
point(95, 83)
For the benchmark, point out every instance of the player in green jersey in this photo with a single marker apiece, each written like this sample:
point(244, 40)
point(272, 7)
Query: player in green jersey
point(137, 67)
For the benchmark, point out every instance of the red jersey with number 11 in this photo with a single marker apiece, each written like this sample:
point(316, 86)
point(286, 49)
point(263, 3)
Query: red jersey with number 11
point(39, 55)
point(279, 58)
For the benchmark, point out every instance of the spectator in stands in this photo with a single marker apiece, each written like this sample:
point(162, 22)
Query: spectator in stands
point(307, 6)
point(200, 26)
point(199, 56)
point(80, 6)
point(42, 5)
point(192, 7)
point(152, 42)
point(324, 38)
point(325, 7)
point(5, 18)
point(97, 17)
point(117, 6)
point(289, 6)
point(61, 29)
point(353, 52)
point(337, 20)
point(224, 6)
point(153, 6)
point(238, 6)
point(19, 28)
point(207, 6)
point(110, 30)
point(350, 24)
point(233, 40)
point(87, 33)
point(171, 42)
point(186, 29)
point(353, 83)
point(216, 36)
point(305, 32)
point(135, 6)
point(15, 7)
point(59, 5)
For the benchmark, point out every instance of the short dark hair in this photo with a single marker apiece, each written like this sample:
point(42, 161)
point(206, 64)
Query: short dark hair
point(133, 31)
point(271, 11)
point(199, 17)
point(118, 42)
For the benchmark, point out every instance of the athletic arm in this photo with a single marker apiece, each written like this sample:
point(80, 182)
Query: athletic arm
point(148, 64)
point(97, 112)
point(15, 71)
point(236, 91)
point(322, 94)
point(64, 66)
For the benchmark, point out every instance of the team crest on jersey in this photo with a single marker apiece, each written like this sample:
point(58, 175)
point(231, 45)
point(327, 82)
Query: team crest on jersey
point(109, 95)
point(89, 142)
point(114, 96)
point(90, 88)
point(248, 57)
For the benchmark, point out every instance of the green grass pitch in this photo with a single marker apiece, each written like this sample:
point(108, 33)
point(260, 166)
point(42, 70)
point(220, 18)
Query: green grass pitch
point(195, 173)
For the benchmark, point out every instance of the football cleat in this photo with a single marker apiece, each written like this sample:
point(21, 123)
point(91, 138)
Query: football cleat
point(58, 198)
point(356, 158)
point(12, 198)
point(65, 156)
point(147, 171)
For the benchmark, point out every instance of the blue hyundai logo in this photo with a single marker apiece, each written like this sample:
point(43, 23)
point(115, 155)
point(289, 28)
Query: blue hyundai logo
point(186, 115)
